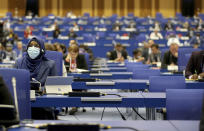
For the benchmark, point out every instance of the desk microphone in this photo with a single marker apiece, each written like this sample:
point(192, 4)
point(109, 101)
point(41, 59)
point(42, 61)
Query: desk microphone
point(15, 97)
point(84, 94)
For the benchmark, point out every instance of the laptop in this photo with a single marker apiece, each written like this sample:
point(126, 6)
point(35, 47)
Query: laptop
point(58, 84)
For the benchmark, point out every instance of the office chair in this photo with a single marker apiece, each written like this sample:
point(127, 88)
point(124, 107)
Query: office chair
point(184, 104)
point(161, 83)
point(182, 59)
point(58, 58)
point(22, 89)
point(145, 73)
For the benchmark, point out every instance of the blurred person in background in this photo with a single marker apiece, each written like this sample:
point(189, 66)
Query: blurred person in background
point(19, 50)
point(137, 56)
point(171, 56)
point(118, 54)
point(155, 56)
point(146, 50)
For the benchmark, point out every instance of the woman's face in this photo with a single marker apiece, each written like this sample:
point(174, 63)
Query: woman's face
point(34, 43)
point(73, 54)
point(33, 50)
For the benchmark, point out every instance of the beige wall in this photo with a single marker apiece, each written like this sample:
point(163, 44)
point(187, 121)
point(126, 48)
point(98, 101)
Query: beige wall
point(202, 6)
point(137, 8)
point(3, 7)
point(87, 7)
point(167, 7)
point(99, 7)
point(108, 7)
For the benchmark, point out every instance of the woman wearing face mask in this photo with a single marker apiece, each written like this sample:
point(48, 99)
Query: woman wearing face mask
point(35, 61)
point(40, 67)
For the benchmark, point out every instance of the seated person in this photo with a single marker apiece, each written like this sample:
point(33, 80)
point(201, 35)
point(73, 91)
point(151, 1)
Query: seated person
point(56, 32)
point(171, 56)
point(168, 26)
point(119, 54)
point(146, 50)
point(196, 39)
point(28, 32)
point(2, 53)
point(75, 27)
point(200, 25)
point(116, 26)
point(72, 34)
point(173, 39)
point(19, 50)
point(35, 61)
point(40, 68)
point(137, 56)
point(194, 68)
point(155, 56)
point(74, 60)
point(156, 26)
point(156, 35)
point(10, 54)
point(185, 27)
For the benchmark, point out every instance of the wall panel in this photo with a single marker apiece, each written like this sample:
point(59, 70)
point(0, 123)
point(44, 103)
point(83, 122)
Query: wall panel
point(87, 6)
point(166, 7)
point(20, 5)
point(100, 7)
point(3, 7)
point(130, 6)
point(108, 7)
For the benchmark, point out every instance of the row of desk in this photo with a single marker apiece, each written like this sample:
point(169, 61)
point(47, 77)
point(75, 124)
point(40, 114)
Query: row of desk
point(126, 84)
point(137, 125)
point(130, 100)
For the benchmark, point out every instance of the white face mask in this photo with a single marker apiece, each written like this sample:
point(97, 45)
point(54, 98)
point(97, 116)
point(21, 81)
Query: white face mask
point(33, 52)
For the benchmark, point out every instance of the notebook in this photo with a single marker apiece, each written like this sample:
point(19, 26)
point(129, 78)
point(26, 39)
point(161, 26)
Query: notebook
point(58, 84)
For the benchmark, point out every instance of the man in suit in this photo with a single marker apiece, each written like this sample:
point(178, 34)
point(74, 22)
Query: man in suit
point(119, 54)
point(171, 56)
point(195, 68)
point(146, 50)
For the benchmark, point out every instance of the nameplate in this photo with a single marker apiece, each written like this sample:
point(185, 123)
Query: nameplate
point(88, 99)
point(100, 83)
point(32, 95)
point(101, 74)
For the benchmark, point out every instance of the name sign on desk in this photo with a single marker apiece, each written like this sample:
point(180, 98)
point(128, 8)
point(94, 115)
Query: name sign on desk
point(100, 74)
point(100, 69)
point(100, 83)
point(98, 99)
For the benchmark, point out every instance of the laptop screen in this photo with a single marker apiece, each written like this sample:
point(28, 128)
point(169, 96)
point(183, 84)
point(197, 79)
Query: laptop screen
point(59, 80)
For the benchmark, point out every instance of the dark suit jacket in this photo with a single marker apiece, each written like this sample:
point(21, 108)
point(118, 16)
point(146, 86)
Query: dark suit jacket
point(145, 53)
point(113, 55)
point(80, 62)
point(195, 63)
point(168, 59)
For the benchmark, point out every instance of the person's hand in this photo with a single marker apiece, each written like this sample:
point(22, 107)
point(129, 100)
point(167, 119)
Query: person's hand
point(121, 59)
point(172, 64)
point(201, 75)
point(141, 59)
point(194, 77)
point(175, 54)
point(67, 58)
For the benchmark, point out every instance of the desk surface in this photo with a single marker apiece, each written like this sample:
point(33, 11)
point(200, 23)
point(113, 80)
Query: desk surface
point(128, 84)
point(139, 125)
point(127, 100)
